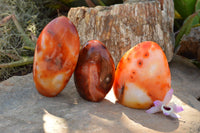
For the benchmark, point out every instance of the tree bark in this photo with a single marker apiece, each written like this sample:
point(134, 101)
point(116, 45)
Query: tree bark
point(122, 26)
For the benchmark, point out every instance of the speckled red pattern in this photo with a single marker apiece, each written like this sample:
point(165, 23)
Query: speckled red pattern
point(146, 66)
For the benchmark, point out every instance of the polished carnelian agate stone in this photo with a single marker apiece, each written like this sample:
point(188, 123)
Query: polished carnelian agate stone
point(56, 55)
point(95, 70)
point(142, 76)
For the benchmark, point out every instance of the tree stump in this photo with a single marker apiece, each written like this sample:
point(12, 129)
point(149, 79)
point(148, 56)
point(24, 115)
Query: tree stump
point(122, 26)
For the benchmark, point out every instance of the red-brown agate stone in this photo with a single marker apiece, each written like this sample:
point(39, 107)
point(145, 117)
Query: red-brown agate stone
point(94, 73)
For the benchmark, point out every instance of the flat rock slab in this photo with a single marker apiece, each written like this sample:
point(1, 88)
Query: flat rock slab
point(23, 109)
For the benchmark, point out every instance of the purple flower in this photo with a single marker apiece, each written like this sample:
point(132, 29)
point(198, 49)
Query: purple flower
point(168, 109)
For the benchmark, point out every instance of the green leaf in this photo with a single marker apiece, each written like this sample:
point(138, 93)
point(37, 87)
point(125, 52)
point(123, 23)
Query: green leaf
point(197, 5)
point(191, 21)
point(27, 40)
point(177, 15)
point(185, 7)
point(101, 3)
point(197, 25)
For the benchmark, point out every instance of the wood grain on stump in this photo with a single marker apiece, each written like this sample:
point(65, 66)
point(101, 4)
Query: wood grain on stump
point(122, 26)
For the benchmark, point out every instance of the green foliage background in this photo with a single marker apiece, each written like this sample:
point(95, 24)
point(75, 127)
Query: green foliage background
point(32, 16)
point(187, 17)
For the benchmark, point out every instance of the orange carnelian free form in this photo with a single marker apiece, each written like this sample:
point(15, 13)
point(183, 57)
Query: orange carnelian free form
point(56, 55)
point(142, 76)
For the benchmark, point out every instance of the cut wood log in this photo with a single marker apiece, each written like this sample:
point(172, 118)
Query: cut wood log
point(122, 26)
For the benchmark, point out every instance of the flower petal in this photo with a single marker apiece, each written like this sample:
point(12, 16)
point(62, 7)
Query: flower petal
point(168, 96)
point(158, 103)
point(177, 108)
point(166, 113)
point(153, 110)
